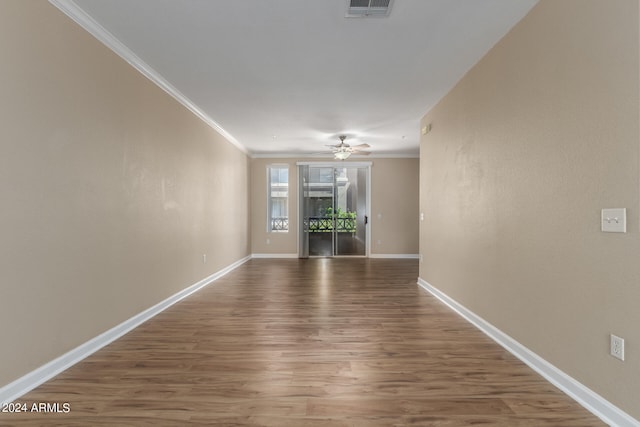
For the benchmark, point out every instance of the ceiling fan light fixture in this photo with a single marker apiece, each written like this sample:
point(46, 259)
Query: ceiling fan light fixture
point(342, 155)
point(343, 150)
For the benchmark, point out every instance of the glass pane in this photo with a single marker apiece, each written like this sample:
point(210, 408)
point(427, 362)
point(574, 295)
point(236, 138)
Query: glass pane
point(350, 206)
point(320, 210)
point(278, 199)
point(303, 206)
point(334, 209)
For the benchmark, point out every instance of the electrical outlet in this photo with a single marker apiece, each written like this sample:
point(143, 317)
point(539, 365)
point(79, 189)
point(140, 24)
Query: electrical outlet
point(617, 347)
point(204, 258)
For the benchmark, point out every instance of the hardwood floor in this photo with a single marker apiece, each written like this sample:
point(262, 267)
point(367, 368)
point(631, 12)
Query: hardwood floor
point(318, 342)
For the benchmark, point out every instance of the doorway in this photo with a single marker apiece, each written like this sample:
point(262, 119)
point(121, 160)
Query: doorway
point(333, 209)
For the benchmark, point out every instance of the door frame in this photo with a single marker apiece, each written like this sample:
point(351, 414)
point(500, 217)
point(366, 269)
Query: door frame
point(300, 196)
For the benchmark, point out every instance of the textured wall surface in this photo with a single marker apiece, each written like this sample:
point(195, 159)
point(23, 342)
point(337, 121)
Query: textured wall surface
point(111, 190)
point(523, 154)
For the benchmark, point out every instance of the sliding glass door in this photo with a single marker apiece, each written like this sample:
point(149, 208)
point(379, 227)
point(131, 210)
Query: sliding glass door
point(333, 209)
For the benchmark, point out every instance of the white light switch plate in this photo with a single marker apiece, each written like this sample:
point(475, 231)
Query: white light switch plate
point(614, 220)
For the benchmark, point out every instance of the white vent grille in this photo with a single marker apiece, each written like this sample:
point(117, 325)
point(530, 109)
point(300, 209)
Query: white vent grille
point(368, 8)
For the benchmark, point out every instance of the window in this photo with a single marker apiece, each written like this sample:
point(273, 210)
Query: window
point(278, 198)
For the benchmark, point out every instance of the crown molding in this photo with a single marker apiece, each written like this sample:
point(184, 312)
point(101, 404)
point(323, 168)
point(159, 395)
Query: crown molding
point(82, 18)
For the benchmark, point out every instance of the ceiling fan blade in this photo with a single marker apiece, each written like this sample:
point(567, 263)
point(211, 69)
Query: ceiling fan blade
point(343, 147)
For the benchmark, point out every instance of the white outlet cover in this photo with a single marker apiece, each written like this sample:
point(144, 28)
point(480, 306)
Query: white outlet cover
point(617, 347)
point(614, 220)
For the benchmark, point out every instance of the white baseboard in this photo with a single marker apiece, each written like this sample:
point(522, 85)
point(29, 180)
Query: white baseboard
point(389, 256)
point(586, 397)
point(274, 255)
point(33, 379)
point(396, 256)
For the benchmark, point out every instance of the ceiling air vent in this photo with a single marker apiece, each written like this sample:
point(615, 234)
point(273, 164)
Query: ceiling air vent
point(368, 8)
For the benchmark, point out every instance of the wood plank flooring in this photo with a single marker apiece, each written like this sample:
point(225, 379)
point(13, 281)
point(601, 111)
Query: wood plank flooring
point(318, 342)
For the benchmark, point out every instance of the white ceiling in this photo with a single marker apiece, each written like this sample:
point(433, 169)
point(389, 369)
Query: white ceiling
point(289, 76)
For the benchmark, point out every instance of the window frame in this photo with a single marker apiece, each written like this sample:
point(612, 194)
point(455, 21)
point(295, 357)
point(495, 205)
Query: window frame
point(270, 200)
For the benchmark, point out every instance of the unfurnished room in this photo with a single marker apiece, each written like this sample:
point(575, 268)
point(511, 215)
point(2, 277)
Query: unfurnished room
point(320, 213)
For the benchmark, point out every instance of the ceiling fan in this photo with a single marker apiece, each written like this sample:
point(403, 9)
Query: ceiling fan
point(343, 150)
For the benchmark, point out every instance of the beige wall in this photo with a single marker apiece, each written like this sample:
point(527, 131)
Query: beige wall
point(111, 191)
point(394, 206)
point(524, 153)
point(394, 195)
